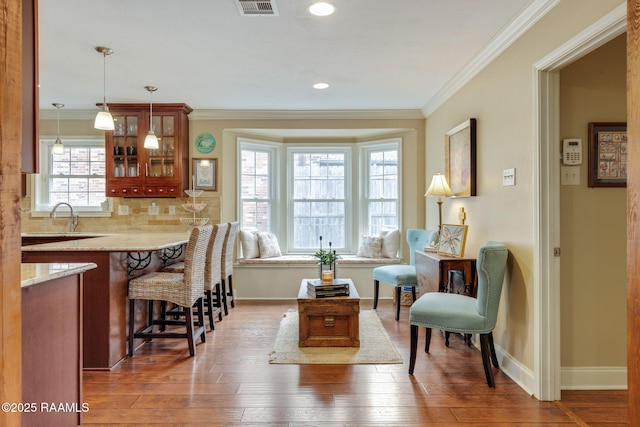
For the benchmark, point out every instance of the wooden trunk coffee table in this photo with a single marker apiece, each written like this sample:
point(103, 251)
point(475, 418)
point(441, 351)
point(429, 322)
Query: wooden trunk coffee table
point(328, 322)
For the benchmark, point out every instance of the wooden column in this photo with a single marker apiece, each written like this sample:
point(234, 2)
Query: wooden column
point(633, 210)
point(10, 141)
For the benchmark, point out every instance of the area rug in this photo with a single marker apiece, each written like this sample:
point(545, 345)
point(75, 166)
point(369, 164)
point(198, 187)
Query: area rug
point(375, 345)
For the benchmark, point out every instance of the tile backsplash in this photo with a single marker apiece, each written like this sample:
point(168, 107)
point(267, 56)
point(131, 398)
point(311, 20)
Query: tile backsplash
point(138, 219)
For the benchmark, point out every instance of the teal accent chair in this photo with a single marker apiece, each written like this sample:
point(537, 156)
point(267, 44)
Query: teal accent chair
point(400, 275)
point(463, 314)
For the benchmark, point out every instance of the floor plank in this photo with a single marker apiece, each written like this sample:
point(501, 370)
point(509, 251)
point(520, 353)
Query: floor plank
point(231, 383)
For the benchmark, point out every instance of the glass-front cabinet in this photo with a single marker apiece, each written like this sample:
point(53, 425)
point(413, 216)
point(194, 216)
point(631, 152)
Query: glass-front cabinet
point(135, 171)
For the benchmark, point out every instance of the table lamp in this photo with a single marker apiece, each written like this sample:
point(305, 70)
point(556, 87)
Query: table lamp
point(439, 188)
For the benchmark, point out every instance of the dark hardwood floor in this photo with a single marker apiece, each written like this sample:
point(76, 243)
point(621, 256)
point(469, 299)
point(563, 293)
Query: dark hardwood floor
point(231, 383)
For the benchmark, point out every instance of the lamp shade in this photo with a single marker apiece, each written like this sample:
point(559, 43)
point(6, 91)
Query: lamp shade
point(439, 187)
point(104, 120)
point(151, 141)
point(57, 147)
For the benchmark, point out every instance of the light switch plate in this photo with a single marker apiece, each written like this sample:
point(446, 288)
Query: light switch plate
point(172, 210)
point(153, 209)
point(570, 175)
point(123, 210)
point(509, 177)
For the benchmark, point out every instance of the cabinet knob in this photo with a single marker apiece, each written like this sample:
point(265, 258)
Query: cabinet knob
point(124, 190)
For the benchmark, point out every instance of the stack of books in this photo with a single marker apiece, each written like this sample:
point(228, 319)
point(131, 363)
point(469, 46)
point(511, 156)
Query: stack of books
point(317, 289)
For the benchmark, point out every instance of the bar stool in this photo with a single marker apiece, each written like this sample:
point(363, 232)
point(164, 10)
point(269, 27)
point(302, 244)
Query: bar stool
point(227, 265)
point(184, 289)
point(212, 274)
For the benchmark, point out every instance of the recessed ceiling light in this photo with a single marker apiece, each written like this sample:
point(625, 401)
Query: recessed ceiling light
point(322, 8)
point(321, 85)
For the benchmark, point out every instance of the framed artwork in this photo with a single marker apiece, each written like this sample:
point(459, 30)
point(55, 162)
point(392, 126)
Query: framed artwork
point(460, 158)
point(452, 239)
point(205, 174)
point(608, 154)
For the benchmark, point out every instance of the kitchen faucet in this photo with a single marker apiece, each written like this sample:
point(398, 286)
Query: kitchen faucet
point(73, 218)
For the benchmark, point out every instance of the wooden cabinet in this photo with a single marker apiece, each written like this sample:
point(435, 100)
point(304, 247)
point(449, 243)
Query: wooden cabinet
point(134, 171)
point(434, 270)
point(30, 103)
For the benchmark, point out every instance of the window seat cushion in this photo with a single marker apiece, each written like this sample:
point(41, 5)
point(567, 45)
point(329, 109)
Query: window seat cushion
point(308, 259)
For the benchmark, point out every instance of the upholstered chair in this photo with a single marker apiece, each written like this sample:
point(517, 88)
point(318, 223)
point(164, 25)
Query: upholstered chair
point(212, 274)
point(463, 314)
point(400, 275)
point(226, 266)
point(184, 289)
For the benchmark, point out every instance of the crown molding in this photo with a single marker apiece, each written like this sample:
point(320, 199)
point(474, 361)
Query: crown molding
point(305, 114)
point(406, 114)
point(518, 26)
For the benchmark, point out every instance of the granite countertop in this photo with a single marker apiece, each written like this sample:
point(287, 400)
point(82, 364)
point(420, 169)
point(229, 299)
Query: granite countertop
point(35, 273)
point(132, 242)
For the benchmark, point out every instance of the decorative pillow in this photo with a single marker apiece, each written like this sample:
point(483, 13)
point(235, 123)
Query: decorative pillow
point(249, 242)
point(390, 243)
point(268, 243)
point(370, 247)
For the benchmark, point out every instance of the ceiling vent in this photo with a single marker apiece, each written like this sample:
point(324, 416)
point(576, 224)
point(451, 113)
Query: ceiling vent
point(257, 7)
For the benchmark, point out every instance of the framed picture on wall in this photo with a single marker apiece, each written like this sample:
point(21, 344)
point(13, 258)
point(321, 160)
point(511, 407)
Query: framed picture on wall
point(460, 158)
point(453, 237)
point(608, 154)
point(205, 174)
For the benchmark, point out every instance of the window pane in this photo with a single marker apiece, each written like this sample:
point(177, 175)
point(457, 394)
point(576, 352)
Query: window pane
point(319, 189)
point(255, 190)
point(77, 176)
point(383, 191)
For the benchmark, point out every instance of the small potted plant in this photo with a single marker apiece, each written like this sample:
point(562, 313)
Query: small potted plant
point(326, 260)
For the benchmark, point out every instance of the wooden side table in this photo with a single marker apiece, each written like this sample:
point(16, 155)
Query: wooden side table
point(328, 322)
point(433, 272)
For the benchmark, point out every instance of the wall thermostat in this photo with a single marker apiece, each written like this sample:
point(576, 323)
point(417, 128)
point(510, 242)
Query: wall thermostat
point(572, 151)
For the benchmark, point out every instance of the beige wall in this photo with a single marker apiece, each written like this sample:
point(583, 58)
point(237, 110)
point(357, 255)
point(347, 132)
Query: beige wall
point(593, 220)
point(501, 98)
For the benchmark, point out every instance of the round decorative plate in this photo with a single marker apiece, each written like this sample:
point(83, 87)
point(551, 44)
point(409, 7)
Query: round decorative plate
point(205, 143)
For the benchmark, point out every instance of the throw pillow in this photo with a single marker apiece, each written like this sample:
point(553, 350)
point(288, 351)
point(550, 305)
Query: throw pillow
point(390, 243)
point(268, 243)
point(249, 243)
point(370, 247)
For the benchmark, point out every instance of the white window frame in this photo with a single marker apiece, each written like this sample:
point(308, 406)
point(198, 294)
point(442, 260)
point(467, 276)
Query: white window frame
point(364, 151)
point(40, 182)
point(356, 186)
point(348, 200)
point(273, 149)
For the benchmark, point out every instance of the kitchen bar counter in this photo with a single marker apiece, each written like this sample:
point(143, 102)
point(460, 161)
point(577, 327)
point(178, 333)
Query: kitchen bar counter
point(119, 258)
point(134, 242)
point(32, 274)
point(52, 341)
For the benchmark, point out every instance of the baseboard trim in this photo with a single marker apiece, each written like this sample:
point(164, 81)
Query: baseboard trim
point(594, 378)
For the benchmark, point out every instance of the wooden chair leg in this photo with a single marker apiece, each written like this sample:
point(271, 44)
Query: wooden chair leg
point(428, 340)
point(224, 297)
point(447, 334)
point(203, 335)
point(218, 303)
point(209, 304)
point(132, 324)
point(413, 293)
point(414, 348)
point(494, 358)
point(189, 325)
point(484, 349)
point(230, 293)
point(376, 288)
point(398, 295)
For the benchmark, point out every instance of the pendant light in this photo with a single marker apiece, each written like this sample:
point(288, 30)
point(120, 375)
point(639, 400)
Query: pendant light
point(58, 148)
point(104, 119)
point(151, 140)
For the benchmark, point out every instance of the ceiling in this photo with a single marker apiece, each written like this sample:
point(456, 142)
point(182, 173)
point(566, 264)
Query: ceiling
point(375, 54)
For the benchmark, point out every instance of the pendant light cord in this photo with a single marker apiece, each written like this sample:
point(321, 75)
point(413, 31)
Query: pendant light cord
point(104, 80)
